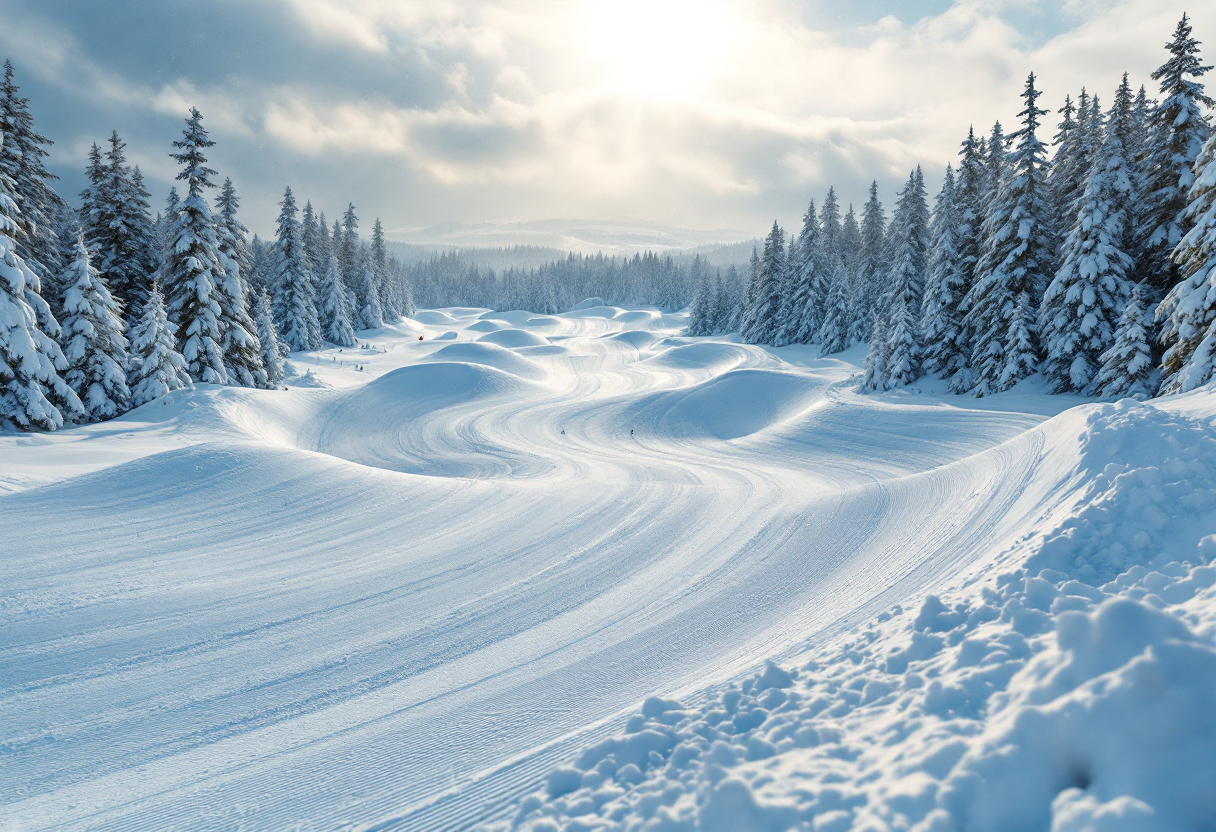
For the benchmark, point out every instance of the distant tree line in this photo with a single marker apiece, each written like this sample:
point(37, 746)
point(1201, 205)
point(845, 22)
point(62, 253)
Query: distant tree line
point(646, 278)
point(1096, 268)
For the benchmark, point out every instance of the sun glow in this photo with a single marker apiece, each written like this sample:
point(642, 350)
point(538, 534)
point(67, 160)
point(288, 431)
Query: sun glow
point(656, 48)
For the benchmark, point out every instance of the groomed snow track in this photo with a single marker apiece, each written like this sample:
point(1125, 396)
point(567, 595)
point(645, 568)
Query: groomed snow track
point(397, 600)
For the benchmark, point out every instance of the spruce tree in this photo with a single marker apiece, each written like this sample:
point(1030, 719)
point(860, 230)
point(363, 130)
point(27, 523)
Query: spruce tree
point(22, 155)
point(830, 230)
point(119, 233)
point(390, 295)
point(335, 313)
point(945, 287)
point(192, 267)
point(371, 316)
point(766, 302)
point(1128, 364)
point(295, 311)
point(240, 345)
point(1188, 312)
point(806, 290)
point(877, 356)
point(93, 339)
point(871, 267)
point(269, 341)
point(833, 335)
point(156, 367)
point(909, 246)
point(1011, 273)
point(1081, 306)
point(1180, 130)
point(33, 394)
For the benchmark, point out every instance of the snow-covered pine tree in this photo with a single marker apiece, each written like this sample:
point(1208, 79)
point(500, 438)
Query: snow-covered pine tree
point(21, 157)
point(240, 344)
point(390, 295)
point(903, 364)
point(156, 367)
point(704, 307)
point(269, 341)
point(119, 233)
point(33, 394)
point(261, 271)
point(335, 313)
point(1021, 344)
point(348, 253)
point(1081, 306)
point(871, 267)
point(909, 246)
point(945, 287)
point(1180, 129)
point(1127, 365)
point(227, 204)
point(314, 237)
point(830, 231)
point(877, 356)
point(806, 301)
point(371, 316)
point(192, 267)
point(1011, 273)
point(786, 324)
point(1188, 312)
point(93, 341)
point(295, 310)
point(994, 167)
point(766, 302)
point(833, 335)
point(164, 224)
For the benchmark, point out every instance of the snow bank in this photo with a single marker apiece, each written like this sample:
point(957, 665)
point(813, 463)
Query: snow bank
point(706, 355)
point(514, 338)
point(1075, 690)
point(735, 404)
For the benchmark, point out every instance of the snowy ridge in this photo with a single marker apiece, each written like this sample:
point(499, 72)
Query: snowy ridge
point(403, 592)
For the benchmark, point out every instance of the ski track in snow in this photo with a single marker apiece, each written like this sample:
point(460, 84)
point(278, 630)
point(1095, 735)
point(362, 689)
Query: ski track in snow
point(398, 599)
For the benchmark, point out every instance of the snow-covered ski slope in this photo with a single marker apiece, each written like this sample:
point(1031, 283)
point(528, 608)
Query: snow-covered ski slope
point(398, 594)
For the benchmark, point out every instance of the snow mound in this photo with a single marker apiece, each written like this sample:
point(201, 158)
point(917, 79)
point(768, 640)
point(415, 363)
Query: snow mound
point(633, 338)
point(447, 336)
point(547, 321)
point(433, 317)
point(484, 326)
point(431, 386)
point(490, 355)
point(702, 356)
point(588, 303)
point(735, 404)
point(514, 338)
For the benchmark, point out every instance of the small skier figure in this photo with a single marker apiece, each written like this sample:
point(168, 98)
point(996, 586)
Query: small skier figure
point(631, 431)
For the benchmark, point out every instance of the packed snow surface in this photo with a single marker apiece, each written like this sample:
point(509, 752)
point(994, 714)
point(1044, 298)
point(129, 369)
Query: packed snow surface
point(588, 574)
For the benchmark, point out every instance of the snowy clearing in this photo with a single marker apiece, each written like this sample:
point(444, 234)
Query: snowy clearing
point(438, 575)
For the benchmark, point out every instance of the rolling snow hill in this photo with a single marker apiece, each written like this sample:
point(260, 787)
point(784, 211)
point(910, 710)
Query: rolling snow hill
point(431, 584)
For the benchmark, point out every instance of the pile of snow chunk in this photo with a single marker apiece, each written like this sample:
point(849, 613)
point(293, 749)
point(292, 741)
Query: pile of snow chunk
point(1074, 691)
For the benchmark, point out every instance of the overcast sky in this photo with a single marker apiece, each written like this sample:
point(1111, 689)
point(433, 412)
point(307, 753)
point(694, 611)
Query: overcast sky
point(691, 113)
